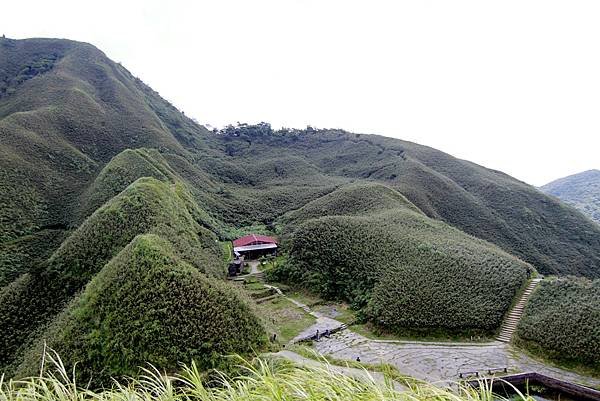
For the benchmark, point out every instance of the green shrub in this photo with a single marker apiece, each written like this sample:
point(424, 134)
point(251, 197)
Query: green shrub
point(149, 305)
point(562, 321)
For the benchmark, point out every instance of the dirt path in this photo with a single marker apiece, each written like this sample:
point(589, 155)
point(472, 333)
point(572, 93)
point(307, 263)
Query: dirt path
point(253, 264)
point(322, 325)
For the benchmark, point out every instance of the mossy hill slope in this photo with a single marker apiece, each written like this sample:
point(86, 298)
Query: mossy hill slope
point(562, 321)
point(579, 190)
point(405, 271)
point(122, 170)
point(146, 206)
point(147, 305)
point(132, 164)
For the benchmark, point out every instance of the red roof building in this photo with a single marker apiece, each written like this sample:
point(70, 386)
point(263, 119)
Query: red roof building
point(254, 245)
point(254, 239)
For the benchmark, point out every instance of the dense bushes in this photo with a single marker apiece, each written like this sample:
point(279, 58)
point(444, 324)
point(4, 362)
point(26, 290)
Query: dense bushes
point(562, 321)
point(24, 254)
point(148, 305)
point(146, 206)
point(404, 270)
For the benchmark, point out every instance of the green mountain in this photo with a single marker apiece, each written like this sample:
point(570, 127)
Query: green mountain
point(103, 184)
point(579, 190)
point(367, 244)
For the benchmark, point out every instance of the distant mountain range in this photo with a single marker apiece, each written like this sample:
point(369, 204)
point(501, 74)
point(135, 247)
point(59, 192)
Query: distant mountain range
point(580, 190)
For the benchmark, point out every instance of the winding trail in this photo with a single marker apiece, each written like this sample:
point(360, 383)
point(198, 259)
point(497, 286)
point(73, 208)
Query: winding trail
point(321, 325)
point(434, 362)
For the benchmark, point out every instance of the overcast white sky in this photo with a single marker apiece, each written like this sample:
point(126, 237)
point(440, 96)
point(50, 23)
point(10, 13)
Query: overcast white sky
point(511, 85)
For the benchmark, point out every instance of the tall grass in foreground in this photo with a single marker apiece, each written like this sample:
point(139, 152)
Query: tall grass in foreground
point(264, 379)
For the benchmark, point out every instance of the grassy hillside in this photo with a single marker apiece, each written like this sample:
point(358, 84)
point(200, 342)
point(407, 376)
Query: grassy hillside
point(146, 206)
point(68, 109)
point(149, 305)
point(562, 322)
point(26, 253)
point(405, 271)
point(579, 190)
point(352, 200)
point(122, 170)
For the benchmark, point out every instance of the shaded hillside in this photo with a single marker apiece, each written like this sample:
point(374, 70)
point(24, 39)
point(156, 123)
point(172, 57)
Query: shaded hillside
point(65, 110)
point(146, 206)
point(579, 190)
point(368, 245)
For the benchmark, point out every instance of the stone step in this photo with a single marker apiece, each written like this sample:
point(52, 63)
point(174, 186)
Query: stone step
point(510, 323)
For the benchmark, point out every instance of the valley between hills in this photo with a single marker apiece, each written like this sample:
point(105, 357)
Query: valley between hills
point(118, 214)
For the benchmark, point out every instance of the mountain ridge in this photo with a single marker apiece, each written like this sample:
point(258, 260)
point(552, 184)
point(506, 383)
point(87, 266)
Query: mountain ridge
point(581, 190)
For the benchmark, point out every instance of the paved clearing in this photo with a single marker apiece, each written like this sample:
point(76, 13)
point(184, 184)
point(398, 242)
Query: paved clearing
point(438, 363)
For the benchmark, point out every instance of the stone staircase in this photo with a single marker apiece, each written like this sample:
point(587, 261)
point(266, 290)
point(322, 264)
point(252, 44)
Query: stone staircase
point(510, 323)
